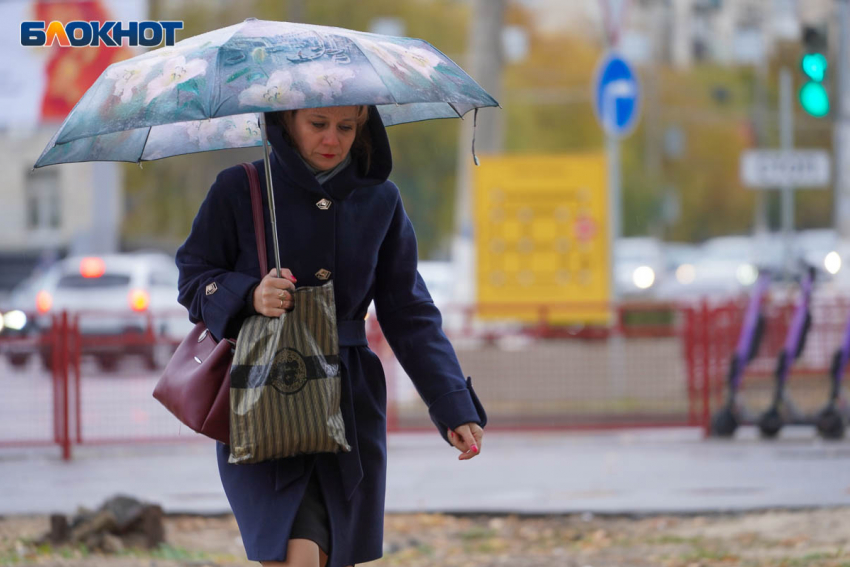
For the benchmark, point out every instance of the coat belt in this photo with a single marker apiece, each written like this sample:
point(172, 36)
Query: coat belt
point(352, 333)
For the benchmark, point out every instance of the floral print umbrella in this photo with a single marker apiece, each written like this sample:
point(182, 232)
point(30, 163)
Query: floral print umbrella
point(204, 93)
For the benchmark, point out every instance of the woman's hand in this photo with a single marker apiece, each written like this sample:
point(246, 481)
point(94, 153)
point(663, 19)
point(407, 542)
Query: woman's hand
point(274, 295)
point(467, 439)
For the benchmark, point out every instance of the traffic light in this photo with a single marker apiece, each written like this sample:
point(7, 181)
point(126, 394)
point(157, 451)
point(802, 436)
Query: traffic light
point(813, 95)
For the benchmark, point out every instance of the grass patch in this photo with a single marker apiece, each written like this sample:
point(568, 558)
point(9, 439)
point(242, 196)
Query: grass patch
point(478, 532)
point(674, 540)
point(705, 554)
point(11, 556)
point(426, 549)
point(814, 559)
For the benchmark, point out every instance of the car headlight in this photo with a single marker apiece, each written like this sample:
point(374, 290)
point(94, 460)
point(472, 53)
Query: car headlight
point(15, 320)
point(832, 262)
point(686, 274)
point(747, 274)
point(643, 277)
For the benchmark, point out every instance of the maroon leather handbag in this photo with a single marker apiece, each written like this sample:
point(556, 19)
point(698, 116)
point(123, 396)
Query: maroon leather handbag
point(195, 385)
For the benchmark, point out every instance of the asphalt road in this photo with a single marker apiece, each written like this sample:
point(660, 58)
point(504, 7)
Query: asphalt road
point(633, 472)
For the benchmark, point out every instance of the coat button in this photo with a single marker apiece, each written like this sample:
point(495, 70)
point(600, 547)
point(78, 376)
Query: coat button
point(323, 274)
point(324, 204)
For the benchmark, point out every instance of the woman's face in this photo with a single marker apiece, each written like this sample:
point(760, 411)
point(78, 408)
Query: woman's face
point(324, 136)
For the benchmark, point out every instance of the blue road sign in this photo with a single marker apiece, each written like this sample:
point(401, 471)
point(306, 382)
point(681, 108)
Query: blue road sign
point(616, 95)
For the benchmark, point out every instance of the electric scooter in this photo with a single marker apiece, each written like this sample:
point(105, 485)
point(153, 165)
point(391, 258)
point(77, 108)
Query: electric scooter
point(726, 420)
point(831, 421)
point(781, 410)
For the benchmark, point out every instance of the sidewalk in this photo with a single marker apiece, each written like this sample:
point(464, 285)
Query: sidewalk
point(633, 472)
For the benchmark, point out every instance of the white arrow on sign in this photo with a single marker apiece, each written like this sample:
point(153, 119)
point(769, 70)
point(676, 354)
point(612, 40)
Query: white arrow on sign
point(621, 88)
point(762, 169)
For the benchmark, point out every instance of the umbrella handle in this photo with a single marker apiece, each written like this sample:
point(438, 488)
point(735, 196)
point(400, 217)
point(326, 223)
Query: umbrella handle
point(270, 191)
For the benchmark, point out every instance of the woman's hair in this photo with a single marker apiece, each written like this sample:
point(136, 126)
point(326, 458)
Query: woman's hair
point(361, 149)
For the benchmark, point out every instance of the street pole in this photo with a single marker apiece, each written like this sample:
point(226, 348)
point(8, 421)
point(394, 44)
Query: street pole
point(612, 151)
point(485, 64)
point(295, 11)
point(760, 118)
point(786, 135)
point(841, 131)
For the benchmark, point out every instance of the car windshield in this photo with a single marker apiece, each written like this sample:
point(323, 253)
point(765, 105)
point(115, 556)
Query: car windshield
point(76, 281)
point(636, 251)
point(728, 249)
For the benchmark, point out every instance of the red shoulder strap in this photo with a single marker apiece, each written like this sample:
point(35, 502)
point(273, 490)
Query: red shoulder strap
point(257, 209)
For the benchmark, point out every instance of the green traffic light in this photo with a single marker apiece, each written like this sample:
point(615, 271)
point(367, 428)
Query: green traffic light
point(814, 66)
point(814, 100)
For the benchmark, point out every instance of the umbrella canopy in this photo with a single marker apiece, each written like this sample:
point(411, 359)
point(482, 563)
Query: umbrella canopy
point(204, 93)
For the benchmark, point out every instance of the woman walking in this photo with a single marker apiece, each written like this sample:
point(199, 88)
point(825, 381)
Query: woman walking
point(340, 219)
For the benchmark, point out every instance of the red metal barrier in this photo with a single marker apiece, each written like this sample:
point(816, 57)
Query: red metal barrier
point(713, 345)
point(659, 365)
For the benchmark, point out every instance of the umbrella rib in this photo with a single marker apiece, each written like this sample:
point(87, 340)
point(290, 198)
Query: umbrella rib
point(216, 72)
point(459, 115)
point(144, 145)
point(366, 55)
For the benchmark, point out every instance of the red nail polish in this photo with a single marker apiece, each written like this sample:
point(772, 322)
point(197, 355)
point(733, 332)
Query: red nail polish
point(475, 448)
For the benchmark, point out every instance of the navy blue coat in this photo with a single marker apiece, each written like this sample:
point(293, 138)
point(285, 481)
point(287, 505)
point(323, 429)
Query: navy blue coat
point(367, 243)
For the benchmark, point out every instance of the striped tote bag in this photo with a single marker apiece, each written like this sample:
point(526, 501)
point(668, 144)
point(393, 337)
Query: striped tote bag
point(285, 384)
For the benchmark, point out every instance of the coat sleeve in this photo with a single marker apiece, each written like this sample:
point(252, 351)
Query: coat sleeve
point(412, 325)
point(208, 257)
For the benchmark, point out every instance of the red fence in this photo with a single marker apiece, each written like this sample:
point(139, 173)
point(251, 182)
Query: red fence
point(713, 334)
point(661, 365)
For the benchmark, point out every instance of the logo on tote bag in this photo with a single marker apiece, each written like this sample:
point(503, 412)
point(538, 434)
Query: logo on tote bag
point(79, 33)
point(294, 371)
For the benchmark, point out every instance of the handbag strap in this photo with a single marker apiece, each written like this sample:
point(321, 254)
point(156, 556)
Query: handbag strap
point(257, 209)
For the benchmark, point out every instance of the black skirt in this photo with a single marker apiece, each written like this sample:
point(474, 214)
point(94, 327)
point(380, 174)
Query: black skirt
point(311, 520)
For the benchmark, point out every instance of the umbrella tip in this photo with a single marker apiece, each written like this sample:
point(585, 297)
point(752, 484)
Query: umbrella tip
point(474, 128)
point(250, 19)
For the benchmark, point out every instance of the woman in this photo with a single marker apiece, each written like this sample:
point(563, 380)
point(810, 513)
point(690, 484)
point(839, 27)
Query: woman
point(339, 218)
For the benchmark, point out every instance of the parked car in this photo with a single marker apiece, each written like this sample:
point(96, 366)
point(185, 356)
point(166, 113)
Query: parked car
point(17, 320)
point(822, 249)
point(639, 266)
point(118, 295)
point(680, 270)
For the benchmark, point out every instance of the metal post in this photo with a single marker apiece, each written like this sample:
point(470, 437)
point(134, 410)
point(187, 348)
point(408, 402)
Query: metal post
point(612, 150)
point(616, 344)
point(707, 350)
point(690, 362)
point(295, 11)
point(786, 134)
point(64, 359)
point(841, 132)
point(51, 346)
point(760, 223)
point(485, 64)
point(78, 390)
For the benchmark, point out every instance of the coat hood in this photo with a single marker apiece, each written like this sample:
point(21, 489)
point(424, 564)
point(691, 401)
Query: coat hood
point(286, 161)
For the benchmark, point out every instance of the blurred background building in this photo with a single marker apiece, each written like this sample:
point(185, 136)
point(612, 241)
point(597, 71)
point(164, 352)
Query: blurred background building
point(709, 70)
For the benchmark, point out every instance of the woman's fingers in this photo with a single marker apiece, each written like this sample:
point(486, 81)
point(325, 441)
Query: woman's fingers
point(276, 294)
point(284, 273)
point(467, 439)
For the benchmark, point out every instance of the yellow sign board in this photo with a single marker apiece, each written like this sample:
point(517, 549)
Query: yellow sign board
point(541, 238)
